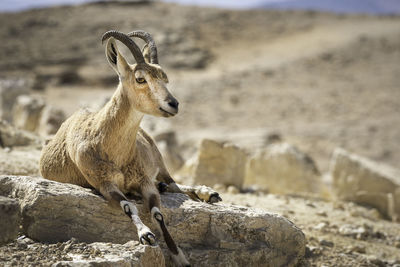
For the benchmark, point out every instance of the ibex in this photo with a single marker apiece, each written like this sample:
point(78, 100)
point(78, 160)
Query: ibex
point(108, 151)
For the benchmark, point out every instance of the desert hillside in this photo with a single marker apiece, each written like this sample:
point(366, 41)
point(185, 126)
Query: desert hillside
point(253, 78)
point(318, 79)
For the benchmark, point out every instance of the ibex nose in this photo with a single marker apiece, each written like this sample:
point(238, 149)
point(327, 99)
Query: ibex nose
point(173, 103)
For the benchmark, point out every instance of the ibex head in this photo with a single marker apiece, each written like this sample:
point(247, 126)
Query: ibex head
point(145, 83)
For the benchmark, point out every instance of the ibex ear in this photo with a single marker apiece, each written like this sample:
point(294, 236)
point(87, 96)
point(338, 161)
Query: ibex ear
point(146, 53)
point(116, 60)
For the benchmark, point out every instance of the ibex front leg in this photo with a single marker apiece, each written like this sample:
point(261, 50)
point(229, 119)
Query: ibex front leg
point(146, 237)
point(103, 176)
point(152, 200)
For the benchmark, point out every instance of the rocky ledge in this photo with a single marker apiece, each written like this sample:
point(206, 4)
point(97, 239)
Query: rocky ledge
point(210, 235)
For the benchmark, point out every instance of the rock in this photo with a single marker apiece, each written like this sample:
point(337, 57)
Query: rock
point(322, 226)
point(169, 149)
point(10, 89)
point(9, 219)
point(312, 251)
point(10, 136)
point(372, 259)
point(26, 112)
point(215, 163)
point(326, 243)
point(366, 182)
point(116, 255)
point(220, 188)
point(358, 232)
point(75, 253)
point(232, 189)
point(211, 235)
point(357, 248)
point(19, 161)
point(283, 169)
point(51, 120)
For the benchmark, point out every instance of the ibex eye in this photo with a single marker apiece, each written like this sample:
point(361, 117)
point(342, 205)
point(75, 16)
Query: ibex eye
point(140, 80)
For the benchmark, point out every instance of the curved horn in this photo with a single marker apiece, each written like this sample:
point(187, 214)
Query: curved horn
point(149, 41)
point(123, 38)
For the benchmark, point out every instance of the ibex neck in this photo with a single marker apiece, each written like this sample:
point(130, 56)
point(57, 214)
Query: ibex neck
point(120, 124)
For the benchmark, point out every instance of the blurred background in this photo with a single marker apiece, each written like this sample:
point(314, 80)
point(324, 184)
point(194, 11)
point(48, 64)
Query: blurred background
point(267, 68)
point(268, 92)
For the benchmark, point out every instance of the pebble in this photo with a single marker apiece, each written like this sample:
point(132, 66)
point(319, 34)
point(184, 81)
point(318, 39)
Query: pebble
point(357, 248)
point(376, 261)
point(322, 213)
point(321, 226)
point(312, 251)
point(326, 243)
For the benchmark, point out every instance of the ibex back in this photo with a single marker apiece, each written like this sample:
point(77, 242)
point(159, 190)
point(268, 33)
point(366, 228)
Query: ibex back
point(108, 151)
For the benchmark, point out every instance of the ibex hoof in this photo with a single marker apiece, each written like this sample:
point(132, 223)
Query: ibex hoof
point(214, 198)
point(147, 238)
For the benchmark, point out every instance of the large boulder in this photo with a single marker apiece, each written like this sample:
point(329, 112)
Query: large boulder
point(281, 169)
point(10, 89)
point(27, 111)
point(10, 136)
point(50, 120)
point(9, 219)
point(19, 161)
point(366, 182)
point(215, 163)
point(211, 235)
point(167, 144)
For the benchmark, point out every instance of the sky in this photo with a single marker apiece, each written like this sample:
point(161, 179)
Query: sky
point(16, 5)
point(340, 6)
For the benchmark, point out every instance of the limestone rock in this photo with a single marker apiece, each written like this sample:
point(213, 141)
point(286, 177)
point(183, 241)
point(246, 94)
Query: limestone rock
point(19, 161)
point(169, 149)
point(9, 219)
point(26, 112)
point(281, 168)
point(366, 182)
point(215, 163)
point(51, 120)
point(130, 254)
point(10, 89)
point(210, 235)
point(10, 136)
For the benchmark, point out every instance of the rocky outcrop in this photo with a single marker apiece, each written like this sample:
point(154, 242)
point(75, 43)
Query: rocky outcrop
point(31, 113)
point(50, 120)
point(19, 161)
point(215, 163)
point(27, 252)
point(102, 254)
point(167, 144)
point(9, 219)
point(27, 110)
point(211, 235)
point(281, 168)
point(366, 182)
point(10, 89)
point(10, 136)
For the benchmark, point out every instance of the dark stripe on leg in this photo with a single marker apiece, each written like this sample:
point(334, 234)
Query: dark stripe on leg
point(168, 239)
point(155, 202)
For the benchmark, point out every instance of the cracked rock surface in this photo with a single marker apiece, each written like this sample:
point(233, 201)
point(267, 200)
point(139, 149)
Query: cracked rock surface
point(210, 235)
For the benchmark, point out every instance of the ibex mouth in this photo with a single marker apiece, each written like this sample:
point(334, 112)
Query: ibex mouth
point(169, 114)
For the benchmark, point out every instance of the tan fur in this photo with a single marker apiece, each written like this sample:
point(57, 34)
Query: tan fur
point(108, 145)
point(107, 150)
